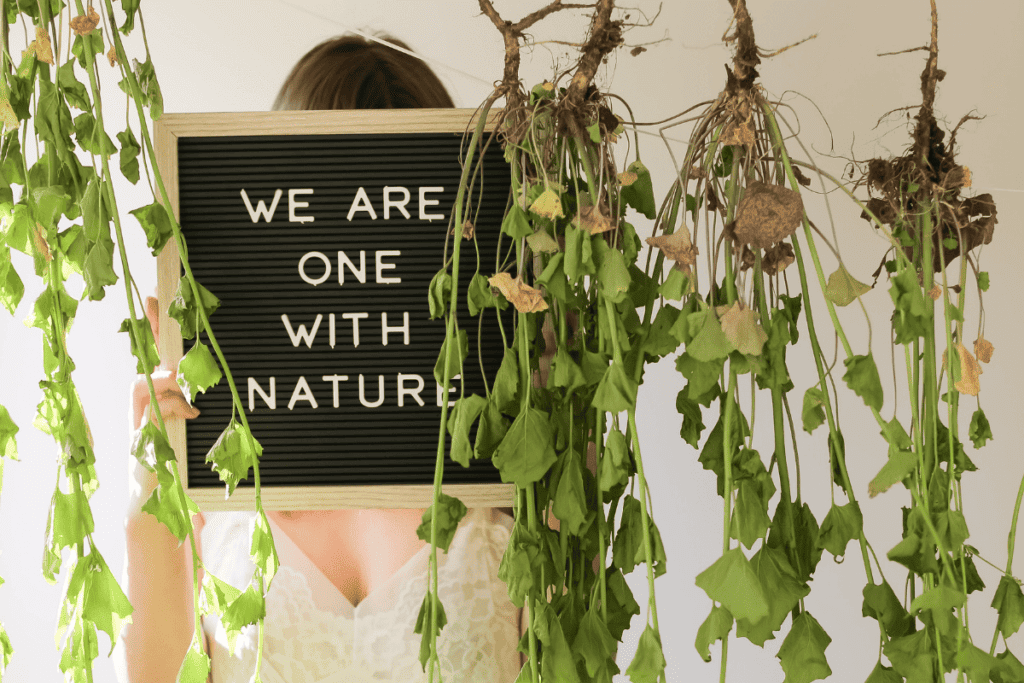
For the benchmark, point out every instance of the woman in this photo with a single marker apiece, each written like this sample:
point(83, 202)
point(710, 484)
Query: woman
point(343, 605)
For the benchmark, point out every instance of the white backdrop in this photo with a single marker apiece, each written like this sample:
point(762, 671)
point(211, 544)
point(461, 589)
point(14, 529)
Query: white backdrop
point(232, 55)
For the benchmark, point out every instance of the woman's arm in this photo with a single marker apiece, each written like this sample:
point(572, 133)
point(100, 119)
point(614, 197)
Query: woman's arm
point(157, 569)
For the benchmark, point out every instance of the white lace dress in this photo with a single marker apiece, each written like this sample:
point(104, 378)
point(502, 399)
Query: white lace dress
point(314, 635)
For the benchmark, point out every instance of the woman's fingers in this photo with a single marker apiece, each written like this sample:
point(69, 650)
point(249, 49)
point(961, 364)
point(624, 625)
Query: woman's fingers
point(169, 398)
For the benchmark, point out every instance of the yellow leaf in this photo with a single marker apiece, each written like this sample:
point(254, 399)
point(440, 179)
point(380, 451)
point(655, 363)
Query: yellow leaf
point(525, 298)
point(548, 205)
point(7, 114)
point(935, 293)
point(742, 329)
point(983, 349)
point(44, 51)
point(677, 247)
point(112, 55)
point(842, 288)
point(593, 220)
point(83, 25)
point(627, 178)
point(969, 371)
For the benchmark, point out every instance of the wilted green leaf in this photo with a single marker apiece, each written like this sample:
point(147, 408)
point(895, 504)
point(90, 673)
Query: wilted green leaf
point(862, 376)
point(527, 452)
point(716, 627)
point(232, 454)
point(732, 582)
point(450, 512)
point(842, 289)
point(197, 371)
point(803, 651)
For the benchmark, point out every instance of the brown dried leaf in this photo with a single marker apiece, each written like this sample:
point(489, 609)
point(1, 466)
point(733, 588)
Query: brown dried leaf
point(778, 258)
point(983, 349)
point(767, 214)
point(44, 51)
point(677, 247)
point(738, 133)
point(627, 178)
point(112, 55)
point(83, 25)
point(593, 221)
point(468, 230)
point(7, 115)
point(960, 176)
point(969, 371)
point(39, 240)
point(639, 49)
point(741, 328)
point(935, 293)
point(525, 298)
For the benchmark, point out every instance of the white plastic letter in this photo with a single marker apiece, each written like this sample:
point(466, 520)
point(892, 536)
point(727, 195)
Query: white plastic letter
point(255, 388)
point(334, 379)
point(440, 393)
point(380, 392)
point(302, 268)
point(424, 203)
point(302, 393)
point(343, 260)
point(402, 390)
point(302, 334)
point(294, 204)
point(381, 267)
point(355, 318)
point(400, 205)
point(385, 328)
point(361, 203)
point(261, 208)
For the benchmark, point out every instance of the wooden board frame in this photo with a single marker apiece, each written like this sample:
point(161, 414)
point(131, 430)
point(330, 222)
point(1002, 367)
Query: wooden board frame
point(166, 132)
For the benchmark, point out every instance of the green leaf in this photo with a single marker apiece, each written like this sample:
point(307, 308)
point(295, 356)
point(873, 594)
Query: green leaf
point(980, 431)
point(565, 373)
point(709, 342)
point(145, 350)
point(616, 391)
point(168, 506)
point(451, 357)
point(915, 554)
point(1008, 669)
point(881, 603)
point(750, 519)
point(898, 467)
point(197, 371)
point(479, 296)
point(862, 376)
point(6, 649)
point(490, 431)
point(50, 203)
point(615, 466)
point(105, 604)
point(424, 619)
point(440, 293)
point(91, 137)
point(813, 412)
point(8, 444)
point(841, 525)
point(940, 601)
point(195, 668)
point(910, 319)
point(558, 663)
point(675, 286)
point(570, 504)
point(594, 643)
point(693, 423)
point(12, 289)
point(842, 289)
point(130, 8)
point(527, 452)
point(542, 243)
point(460, 420)
point(236, 609)
point(716, 627)
point(976, 662)
point(70, 519)
point(702, 378)
point(450, 511)
point(732, 582)
point(1009, 603)
point(128, 158)
point(516, 224)
point(156, 224)
point(983, 281)
point(640, 193)
point(262, 551)
point(93, 42)
point(505, 392)
point(787, 589)
point(74, 92)
point(629, 539)
point(803, 651)
point(233, 454)
point(578, 260)
point(912, 657)
point(613, 274)
point(553, 279)
point(883, 674)
point(648, 665)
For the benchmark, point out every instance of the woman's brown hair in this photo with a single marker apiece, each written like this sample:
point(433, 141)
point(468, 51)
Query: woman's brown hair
point(351, 72)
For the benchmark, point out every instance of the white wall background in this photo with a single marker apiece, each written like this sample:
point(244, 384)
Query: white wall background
point(232, 55)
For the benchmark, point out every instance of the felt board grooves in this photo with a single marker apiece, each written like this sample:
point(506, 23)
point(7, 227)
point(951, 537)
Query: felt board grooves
point(351, 443)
